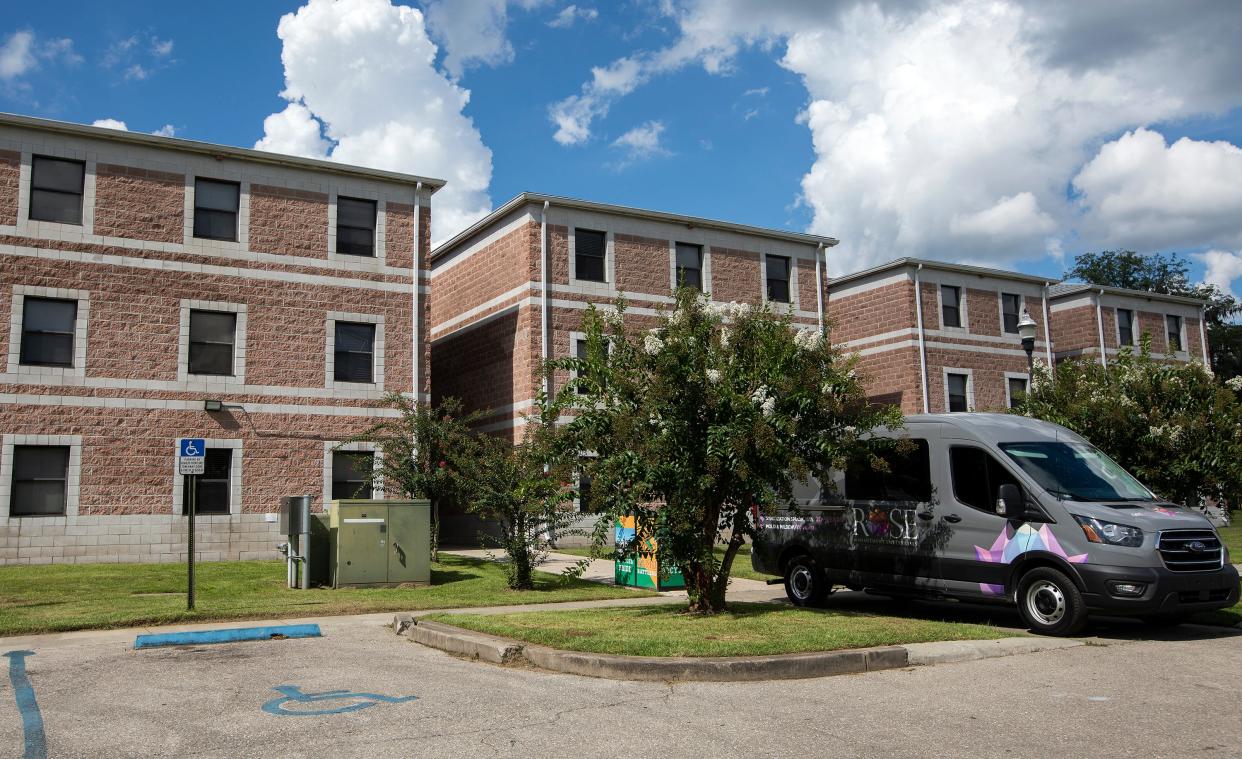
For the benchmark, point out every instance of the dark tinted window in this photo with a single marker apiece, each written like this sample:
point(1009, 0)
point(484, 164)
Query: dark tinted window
point(354, 358)
point(908, 478)
point(1011, 306)
point(215, 209)
point(212, 486)
point(584, 492)
point(590, 250)
point(977, 477)
point(689, 266)
point(1125, 326)
point(211, 342)
point(778, 279)
point(355, 227)
point(958, 386)
point(47, 331)
point(1174, 324)
point(580, 353)
point(951, 306)
point(40, 475)
point(56, 189)
point(351, 474)
point(1017, 390)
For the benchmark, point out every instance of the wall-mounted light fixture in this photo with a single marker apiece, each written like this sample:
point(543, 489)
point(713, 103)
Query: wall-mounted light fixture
point(212, 404)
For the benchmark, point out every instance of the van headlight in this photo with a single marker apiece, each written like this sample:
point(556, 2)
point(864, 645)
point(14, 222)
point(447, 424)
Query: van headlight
point(1099, 531)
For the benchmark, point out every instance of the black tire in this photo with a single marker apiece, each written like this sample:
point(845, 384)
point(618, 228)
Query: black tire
point(805, 584)
point(1050, 603)
point(1165, 620)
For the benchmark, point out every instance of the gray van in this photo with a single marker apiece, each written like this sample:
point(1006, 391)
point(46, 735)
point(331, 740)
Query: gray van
point(996, 507)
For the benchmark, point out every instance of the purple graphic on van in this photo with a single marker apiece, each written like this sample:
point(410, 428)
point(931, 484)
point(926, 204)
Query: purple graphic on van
point(1026, 538)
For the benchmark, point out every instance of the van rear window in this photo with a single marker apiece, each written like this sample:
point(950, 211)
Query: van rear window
point(908, 477)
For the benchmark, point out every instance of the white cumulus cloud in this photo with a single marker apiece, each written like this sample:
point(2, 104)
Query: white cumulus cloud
point(362, 87)
point(22, 52)
point(571, 14)
point(110, 124)
point(473, 32)
point(641, 142)
point(1222, 268)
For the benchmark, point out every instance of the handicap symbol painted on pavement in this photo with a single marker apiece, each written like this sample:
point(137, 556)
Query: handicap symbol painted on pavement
point(294, 695)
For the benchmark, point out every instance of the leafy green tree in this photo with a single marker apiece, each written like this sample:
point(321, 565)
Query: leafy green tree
point(525, 489)
point(706, 418)
point(427, 452)
point(1169, 274)
point(1174, 426)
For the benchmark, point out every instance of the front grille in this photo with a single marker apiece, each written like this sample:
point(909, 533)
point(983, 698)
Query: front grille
point(1175, 550)
point(1202, 596)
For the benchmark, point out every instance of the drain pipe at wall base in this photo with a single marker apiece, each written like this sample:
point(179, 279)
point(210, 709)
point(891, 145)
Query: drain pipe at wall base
point(418, 281)
point(543, 309)
point(918, 311)
point(819, 287)
point(1047, 333)
point(1099, 323)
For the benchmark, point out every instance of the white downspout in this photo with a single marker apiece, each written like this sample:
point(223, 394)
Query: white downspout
point(415, 377)
point(1099, 324)
point(918, 310)
point(1047, 334)
point(1207, 361)
point(543, 286)
point(819, 288)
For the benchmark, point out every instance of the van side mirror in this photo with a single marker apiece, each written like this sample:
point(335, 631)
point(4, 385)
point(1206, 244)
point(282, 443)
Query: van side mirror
point(1010, 503)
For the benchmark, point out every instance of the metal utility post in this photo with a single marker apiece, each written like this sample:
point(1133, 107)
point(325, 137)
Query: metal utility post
point(191, 460)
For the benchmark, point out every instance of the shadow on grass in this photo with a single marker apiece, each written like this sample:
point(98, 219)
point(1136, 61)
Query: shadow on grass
point(446, 576)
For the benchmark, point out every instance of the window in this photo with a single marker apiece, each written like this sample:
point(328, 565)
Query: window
point(958, 387)
point(580, 352)
point(977, 477)
point(1125, 326)
point(40, 480)
point(1011, 307)
point(211, 488)
point(1174, 327)
point(355, 227)
point(354, 352)
point(212, 334)
point(951, 306)
point(56, 187)
point(690, 266)
point(47, 331)
point(215, 209)
point(584, 491)
point(1017, 390)
point(352, 474)
point(778, 279)
point(590, 253)
point(908, 477)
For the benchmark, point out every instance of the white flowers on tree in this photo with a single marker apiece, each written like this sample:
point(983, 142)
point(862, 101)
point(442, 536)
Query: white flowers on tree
point(713, 376)
point(1234, 384)
point(765, 402)
point(808, 339)
point(652, 344)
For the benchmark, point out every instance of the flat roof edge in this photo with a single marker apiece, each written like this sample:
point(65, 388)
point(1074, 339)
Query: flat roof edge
point(212, 149)
point(526, 198)
point(911, 263)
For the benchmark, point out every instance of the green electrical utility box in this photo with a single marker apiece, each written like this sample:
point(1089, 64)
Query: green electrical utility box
point(380, 542)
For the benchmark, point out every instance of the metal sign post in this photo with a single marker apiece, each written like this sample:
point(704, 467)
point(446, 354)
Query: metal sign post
point(191, 462)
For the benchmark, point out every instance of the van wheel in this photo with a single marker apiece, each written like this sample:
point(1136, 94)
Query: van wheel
point(805, 584)
point(1050, 603)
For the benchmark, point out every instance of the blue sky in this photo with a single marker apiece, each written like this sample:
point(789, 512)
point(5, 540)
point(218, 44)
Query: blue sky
point(1009, 134)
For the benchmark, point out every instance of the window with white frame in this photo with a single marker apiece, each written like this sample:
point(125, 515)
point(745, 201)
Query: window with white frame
point(1173, 326)
point(355, 226)
point(777, 274)
point(590, 257)
point(217, 206)
point(353, 474)
point(689, 266)
point(355, 350)
point(47, 332)
point(957, 390)
point(951, 306)
point(1125, 327)
point(1011, 312)
point(39, 475)
point(212, 347)
point(57, 186)
point(1015, 389)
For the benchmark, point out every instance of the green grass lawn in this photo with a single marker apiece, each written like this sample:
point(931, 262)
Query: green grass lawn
point(1232, 538)
point(745, 630)
point(60, 597)
point(741, 564)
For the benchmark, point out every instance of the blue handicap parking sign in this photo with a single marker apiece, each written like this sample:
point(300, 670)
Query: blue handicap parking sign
point(192, 447)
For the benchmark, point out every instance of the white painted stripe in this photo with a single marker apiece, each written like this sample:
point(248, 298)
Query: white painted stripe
point(368, 520)
point(934, 333)
point(188, 386)
point(159, 264)
point(87, 401)
point(941, 346)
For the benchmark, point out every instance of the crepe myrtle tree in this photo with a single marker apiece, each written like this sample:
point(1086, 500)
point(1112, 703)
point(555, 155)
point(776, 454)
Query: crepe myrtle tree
point(1175, 426)
point(705, 421)
point(525, 489)
point(426, 452)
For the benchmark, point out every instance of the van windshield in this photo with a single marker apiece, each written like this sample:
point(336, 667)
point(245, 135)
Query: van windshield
point(1076, 471)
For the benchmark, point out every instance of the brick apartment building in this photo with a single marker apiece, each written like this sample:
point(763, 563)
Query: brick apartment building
point(141, 276)
point(956, 346)
point(510, 291)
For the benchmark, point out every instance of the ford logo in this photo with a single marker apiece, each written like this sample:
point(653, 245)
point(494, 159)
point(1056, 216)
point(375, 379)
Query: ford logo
point(1196, 546)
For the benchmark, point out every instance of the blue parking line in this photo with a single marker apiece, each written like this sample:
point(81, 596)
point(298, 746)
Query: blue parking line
point(233, 635)
point(32, 720)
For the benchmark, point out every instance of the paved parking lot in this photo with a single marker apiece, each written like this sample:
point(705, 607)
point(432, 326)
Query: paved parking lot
point(98, 697)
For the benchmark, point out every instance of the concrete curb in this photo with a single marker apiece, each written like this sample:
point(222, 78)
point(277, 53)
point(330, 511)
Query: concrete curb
point(498, 650)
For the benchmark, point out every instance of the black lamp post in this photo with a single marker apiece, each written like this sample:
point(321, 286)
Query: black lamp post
point(1026, 330)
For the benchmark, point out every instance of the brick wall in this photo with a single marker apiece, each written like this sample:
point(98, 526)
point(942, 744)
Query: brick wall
point(642, 265)
point(735, 275)
point(141, 204)
point(1075, 330)
point(290, 222)
point(887, 308)
point(983, 311)
point(10, 181)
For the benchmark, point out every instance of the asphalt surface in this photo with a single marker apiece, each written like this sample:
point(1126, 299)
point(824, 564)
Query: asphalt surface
point(1125, 695)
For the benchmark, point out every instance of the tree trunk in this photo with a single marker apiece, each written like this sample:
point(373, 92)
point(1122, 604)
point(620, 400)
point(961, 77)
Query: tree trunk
point(435, 530)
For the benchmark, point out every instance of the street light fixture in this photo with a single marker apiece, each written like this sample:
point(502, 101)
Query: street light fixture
point(1026, 330)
